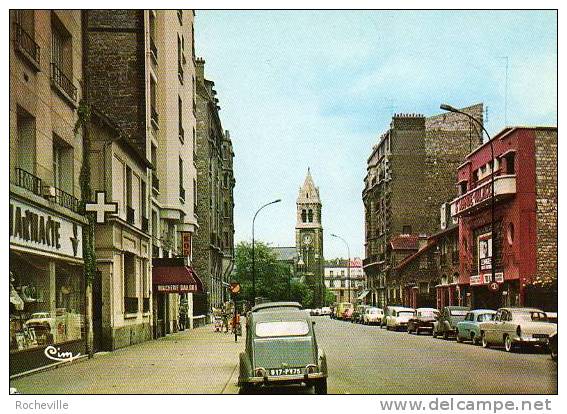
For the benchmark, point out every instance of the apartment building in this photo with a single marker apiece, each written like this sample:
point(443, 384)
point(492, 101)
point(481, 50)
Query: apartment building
point(47, 287)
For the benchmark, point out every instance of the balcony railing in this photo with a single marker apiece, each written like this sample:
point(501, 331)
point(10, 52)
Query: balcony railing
point(155, 182)
point(130, 305)
point(145, 224)
point(480, 196)
point(63, 82)
point(26, 43)
point(155, 116)
point(68, 201)
point(28, 181)
point(130, 215)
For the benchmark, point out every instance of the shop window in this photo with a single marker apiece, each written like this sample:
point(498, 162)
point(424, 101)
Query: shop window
point(130, 291)
point(35, 321)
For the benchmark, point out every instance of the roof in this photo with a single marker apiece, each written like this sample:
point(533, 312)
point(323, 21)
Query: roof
point(404, 242)
point(414, 256)
point(309, 193)
point(285, 254)
point(271, 305)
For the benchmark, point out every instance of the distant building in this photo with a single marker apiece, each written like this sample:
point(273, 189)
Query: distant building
point(409, 174)
point(338, 281)
point(287, 255)
point(309, 236)
point(214, 242)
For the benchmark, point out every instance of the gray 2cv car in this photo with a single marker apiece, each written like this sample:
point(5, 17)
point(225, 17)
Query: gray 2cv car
point(281, 349)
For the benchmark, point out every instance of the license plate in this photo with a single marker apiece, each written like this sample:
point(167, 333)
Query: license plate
point(540, 336)
point(285, 371)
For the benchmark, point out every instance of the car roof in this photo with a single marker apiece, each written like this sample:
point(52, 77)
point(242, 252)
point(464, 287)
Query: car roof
point(483, 311)
point(433, 309)
point(271, 305)
point(512, 309)
point(458, 307)
point(276, 315)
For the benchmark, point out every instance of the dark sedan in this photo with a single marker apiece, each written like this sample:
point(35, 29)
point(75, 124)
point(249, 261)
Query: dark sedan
point(423, 320)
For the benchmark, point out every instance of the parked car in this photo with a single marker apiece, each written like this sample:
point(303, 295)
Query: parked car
point(325, 311)
point(516, 327)
point(341, 308)
point(372, 316)
point(551, 317)
point(422, 320)
point(315, 312)
point(446, 324)
point(281, 348)
point(358, 313)
point(552, 345)
point(469, 328)
point(347, 314)
point(397, 317)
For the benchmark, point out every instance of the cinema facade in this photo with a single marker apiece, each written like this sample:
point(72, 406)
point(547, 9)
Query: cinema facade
point(523, 248)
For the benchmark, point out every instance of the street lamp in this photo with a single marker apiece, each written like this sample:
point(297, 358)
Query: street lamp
point(449, 108)
point(348, 263)
point(253, 253)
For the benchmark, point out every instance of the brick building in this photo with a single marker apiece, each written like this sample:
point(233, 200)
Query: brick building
point(45, 214)
point(409, 174)
point(214, 242)
point(523, 249)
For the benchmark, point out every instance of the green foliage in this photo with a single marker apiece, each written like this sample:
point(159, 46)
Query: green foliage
point(274, 279)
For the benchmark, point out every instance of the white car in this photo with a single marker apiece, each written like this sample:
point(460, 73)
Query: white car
point(398, 317)
point(513, 327)
point(325, 310)
point(372, 316)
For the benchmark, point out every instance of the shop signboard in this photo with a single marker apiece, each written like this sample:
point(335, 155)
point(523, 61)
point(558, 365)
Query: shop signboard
point(37, 229)
point(176, 288)
point(486, 278)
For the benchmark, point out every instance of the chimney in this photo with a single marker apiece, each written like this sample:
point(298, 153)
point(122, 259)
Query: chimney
point(200, 68)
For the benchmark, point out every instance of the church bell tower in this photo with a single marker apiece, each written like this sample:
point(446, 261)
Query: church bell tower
point(309, 233)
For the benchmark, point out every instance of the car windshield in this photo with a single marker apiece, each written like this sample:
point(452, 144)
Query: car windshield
point(281, 328)
point(458, 312)
point(405, 313)
point(373, 311)
point(428, 313)
point(532, 317)
point(483, 317)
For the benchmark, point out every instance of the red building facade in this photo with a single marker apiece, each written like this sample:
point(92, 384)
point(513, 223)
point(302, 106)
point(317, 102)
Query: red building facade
point(521, 224)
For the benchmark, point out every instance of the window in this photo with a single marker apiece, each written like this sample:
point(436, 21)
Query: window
point(179, 59)
point(510, 163)
point(406, 229)
point(155, 224)
point(226, 209)
point(62, 165)
point(181, 189)
point(153, 47)
point(195, 195)
point(281, 328)
point(304, 216)
point(462, 187)
point(25, 141)
point(153, 102)
point(130, 288)
point(510, 233)
point(130, 212)
point(180, 119)
point(62, 58)
point(310, 216)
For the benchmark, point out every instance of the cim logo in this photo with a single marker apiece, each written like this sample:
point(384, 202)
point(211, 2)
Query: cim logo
point(56, 355)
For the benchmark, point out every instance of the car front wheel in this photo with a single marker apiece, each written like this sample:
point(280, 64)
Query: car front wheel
point(459, 339)
point(321, 387)
point(483, 340)
point(508, 344)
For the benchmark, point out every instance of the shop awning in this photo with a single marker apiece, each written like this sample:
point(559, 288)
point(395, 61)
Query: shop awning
point(363, 294)
point(175, 279)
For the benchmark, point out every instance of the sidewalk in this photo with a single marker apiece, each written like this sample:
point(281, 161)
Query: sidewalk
point(197, 361)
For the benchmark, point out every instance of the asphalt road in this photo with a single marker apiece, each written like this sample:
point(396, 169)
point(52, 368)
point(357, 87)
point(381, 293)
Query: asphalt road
point(369, 360)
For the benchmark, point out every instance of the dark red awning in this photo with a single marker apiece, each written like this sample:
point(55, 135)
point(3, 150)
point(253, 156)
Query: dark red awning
point(175, 279)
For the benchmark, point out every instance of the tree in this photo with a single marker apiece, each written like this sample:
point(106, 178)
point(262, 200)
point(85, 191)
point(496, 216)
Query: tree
point(274, 279)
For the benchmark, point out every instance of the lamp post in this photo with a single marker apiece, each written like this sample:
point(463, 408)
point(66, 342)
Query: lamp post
point(253, 252)
point(449, 108)
point(348, 263)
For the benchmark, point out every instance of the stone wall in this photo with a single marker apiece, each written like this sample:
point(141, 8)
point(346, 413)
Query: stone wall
point(546, 203)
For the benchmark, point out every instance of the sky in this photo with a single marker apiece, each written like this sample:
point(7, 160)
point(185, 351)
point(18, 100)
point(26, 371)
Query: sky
point(316, 89)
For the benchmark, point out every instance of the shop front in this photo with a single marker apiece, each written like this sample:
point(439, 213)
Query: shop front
point(174, 284)
point(47, 286)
